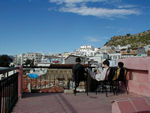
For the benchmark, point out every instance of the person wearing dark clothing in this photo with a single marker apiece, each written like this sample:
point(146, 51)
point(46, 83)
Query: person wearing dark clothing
point(78, 73)
point(122, 74)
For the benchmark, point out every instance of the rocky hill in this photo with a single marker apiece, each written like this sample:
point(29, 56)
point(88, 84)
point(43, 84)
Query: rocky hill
point(136, 40)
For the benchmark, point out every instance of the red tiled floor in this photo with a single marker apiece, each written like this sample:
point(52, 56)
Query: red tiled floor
point(141, 104)
point(126, 107)
point(63, 103)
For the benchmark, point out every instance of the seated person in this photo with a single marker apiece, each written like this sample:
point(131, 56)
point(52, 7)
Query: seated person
point(121, 77)
point(101, 75)
point(121, 72)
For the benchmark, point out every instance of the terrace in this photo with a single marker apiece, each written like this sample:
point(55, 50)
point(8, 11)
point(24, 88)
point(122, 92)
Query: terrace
point(66, 103)
point(13, 99)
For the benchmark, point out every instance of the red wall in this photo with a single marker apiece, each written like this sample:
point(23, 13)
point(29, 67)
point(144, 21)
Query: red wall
point(138, 75)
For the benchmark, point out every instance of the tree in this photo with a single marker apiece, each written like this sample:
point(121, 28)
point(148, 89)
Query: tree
point(29, 62)
point(128, 34)
point(5, 61)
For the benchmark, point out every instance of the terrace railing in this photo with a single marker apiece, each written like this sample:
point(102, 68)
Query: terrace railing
point(8, 89)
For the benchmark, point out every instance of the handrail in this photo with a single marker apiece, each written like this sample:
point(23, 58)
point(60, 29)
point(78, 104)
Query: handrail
point(7, 69)
point(8, 93)
point(57, 66)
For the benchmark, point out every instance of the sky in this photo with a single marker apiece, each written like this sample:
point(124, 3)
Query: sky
point(57, 26)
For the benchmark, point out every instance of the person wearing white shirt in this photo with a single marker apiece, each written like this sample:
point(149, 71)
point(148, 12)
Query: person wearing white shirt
point(100, 75)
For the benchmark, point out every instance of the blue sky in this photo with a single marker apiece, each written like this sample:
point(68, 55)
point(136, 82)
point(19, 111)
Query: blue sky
point(57, 26)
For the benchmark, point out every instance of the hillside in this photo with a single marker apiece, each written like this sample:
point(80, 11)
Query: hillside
point(136, 40)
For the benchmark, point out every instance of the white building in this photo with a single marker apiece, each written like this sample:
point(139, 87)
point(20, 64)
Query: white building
point(18, 59)
point(147, 48)
point(86, 48)
point(123, 47)
point(113, 58)
point(31, 56)
point(100, 57)
point(104, 49)
point(86, 51)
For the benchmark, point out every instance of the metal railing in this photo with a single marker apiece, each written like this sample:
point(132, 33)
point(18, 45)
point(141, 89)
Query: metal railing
point(8, 90)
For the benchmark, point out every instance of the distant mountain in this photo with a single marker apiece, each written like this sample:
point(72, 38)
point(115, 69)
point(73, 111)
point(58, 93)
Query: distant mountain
point(136, 40)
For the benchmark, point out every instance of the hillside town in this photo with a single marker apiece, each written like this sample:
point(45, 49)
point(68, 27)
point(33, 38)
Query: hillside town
point(87, 53)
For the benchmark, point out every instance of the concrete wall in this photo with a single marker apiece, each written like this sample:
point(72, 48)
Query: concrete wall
point(138, 75)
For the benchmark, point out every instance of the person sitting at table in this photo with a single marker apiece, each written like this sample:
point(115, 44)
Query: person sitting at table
point(121, 72)
point(101, 75)
point(120, 76)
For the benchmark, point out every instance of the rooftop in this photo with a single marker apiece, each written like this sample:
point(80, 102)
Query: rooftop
point(67, 103)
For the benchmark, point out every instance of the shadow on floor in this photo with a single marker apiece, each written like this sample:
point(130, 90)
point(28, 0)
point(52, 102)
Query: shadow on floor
point(27, 95)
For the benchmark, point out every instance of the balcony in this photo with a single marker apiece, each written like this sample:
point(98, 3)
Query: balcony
point(48, 101)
